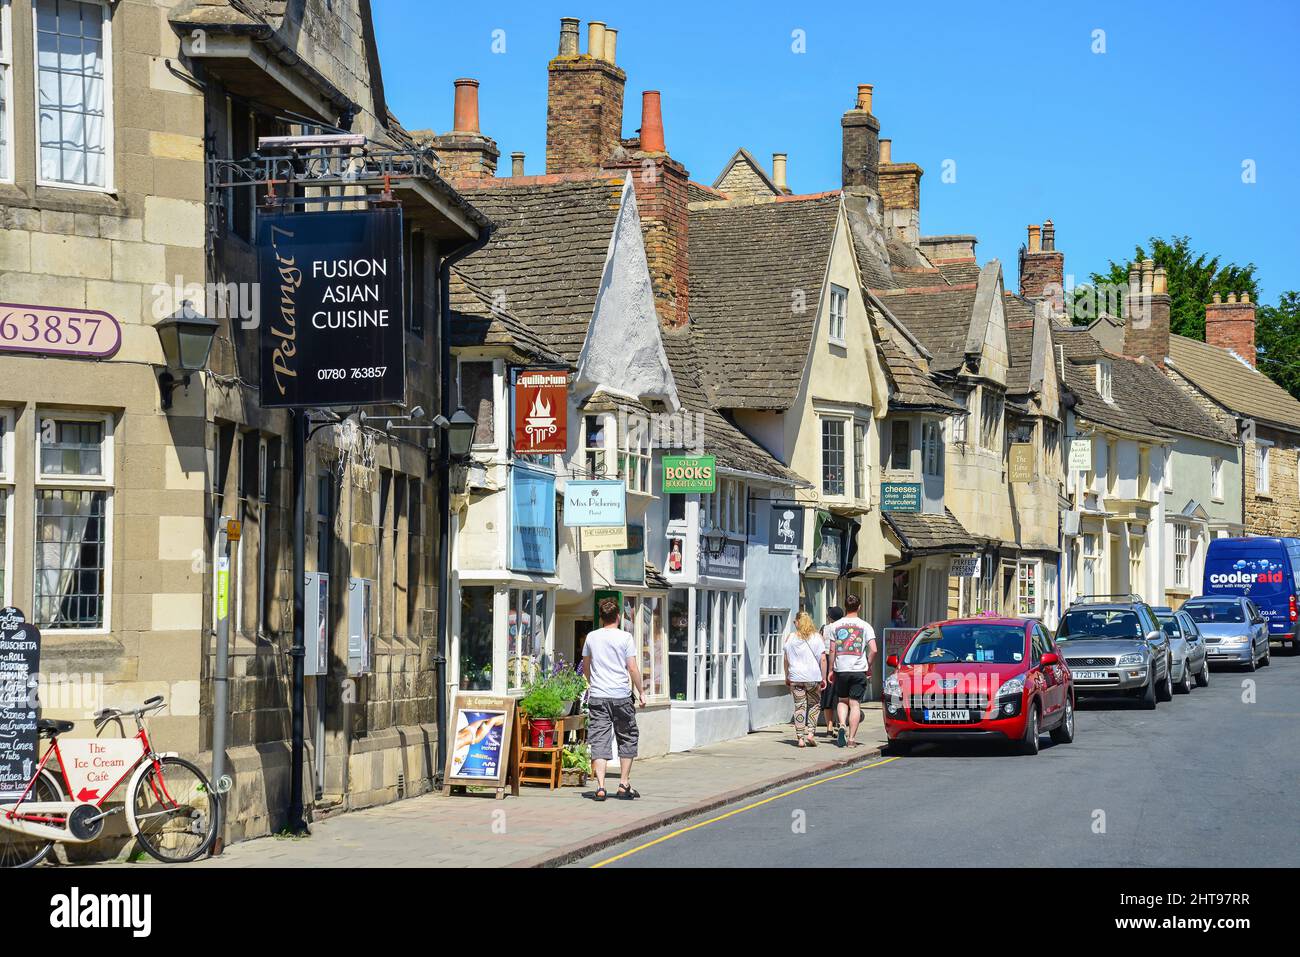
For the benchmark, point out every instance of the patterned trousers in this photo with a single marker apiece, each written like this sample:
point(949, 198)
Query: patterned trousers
point(807, 705)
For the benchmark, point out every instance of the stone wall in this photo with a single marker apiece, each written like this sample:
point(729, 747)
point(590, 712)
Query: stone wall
point(1278, 511)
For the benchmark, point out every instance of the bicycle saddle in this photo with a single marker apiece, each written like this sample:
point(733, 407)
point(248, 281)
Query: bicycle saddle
point(54, 726)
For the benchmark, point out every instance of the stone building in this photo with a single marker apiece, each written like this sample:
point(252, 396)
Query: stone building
point(125, 482)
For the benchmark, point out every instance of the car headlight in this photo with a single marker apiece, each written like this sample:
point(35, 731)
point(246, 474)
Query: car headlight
point(1236, 640)
point(1134, 659)
point(1012, 686)
point(892, 688)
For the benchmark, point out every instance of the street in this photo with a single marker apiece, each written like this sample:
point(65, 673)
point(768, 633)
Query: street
point(1206, 780)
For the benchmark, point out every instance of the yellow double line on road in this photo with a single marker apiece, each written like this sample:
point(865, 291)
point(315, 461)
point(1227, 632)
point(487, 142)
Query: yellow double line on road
point(741, 810)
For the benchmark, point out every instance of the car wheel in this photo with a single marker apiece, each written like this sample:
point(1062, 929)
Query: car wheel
point(1147, 699)
point(1063, 733)
point(1251, 664)
point(1185, 685)
point(1029, 743)
point(1203, 676)
point(1268, 657)
point(1165, 690)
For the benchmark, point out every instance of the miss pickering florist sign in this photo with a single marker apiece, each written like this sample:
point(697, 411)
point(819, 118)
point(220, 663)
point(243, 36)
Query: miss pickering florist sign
point(333, 329)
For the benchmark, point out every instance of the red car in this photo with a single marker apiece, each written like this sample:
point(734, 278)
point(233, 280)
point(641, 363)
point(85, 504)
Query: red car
point(973, 679)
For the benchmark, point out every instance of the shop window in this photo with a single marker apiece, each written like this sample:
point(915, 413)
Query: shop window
point(679, 643)
point(833, 456)
point(716, 660)
point(476, 638)
point(478, 392)
point(773, 629)
point(1028, 591)
point(6, 507)
point(74, 93)
point(900, 600)
point(1091, 561)
point(526, 634)
point(643, 620)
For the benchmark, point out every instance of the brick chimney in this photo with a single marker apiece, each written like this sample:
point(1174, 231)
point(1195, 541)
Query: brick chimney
point(584, 108)
point(1042, 268)
point(464, 151)
point(900, 195)
point(1230, 325)
point(860, 158)
point(660, 185)
point(1146, 310)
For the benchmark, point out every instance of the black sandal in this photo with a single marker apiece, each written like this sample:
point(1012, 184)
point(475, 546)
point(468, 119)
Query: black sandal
point(600, 795)
point(627, 792)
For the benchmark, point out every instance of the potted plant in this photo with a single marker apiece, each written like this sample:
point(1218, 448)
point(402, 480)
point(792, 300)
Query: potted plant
point(543, 702)
point(575, 763)
point(570, 682)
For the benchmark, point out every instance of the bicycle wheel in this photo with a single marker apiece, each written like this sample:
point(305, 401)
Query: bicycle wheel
point(22, 850)
point(175, 811)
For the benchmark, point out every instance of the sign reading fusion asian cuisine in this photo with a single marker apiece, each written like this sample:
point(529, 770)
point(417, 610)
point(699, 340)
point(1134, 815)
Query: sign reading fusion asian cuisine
point(688, 474)
point(541, 411)
point(333, 328)
point(20, 659)
point(55, 331)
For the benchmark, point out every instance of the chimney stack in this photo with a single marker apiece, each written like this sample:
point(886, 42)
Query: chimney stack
point(464, 152)
point(659, 182)
point(516, 164)
point(1147, 330)
point(1230, 325)
point(778, 172)
point(860, 156)
point(900, 195)
point(584, 108)
point(1042, 268)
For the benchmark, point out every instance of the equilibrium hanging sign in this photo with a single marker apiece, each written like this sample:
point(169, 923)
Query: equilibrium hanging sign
point(332, 317)
point(541, 411)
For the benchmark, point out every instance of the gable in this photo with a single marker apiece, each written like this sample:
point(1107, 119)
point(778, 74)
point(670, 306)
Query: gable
point(744, 176)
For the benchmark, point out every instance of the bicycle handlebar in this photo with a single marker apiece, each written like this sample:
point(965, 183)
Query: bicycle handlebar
point(104, 715)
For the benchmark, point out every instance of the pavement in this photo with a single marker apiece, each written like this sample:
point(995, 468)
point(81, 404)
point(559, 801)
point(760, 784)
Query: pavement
point(548, 828)
point(1206, 780)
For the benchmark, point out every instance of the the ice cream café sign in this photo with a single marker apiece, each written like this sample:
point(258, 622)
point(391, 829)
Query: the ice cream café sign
point(541, 411)
point(333, 328)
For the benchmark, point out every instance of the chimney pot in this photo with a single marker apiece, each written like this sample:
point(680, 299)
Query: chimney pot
point(1218, 298)
point(611, 44)
point(1148, 276)
point(465, 113)
point(1159, 286)
point(652, 123)
point(568, 36)
point(886, 151)
point(1034, 244)
point(864, 97)
point(596, 39)
point(516, 164)
point(1245, 297)
point(778, 171)
point(1049, 236)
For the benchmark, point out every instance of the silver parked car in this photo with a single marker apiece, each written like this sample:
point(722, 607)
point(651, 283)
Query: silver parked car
point(1116, 648)
point(1235, 631)
point(1187, 649)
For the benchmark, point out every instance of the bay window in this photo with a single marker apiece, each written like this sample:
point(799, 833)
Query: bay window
point(634, 460)
point(833, 456)
point(900, 445)
point(74, 117)
point(932, 449)
point(593, 445)
point(990, 418)
point(861, 469)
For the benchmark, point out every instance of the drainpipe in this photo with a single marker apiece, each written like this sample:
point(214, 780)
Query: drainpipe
point(444, 489)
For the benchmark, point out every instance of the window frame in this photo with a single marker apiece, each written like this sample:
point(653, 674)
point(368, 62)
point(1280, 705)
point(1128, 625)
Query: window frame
point(1263, 467)
point(1182, 574)
point(7, 151)
point(861, 462)
point(905, 426)
point(837, 331)
point(1106, 381)
point(1216, 479)
point(498, 397)
point(640, 457)
point(842, 422)
point(772, 652)
point(931, 448)
point(106, 42)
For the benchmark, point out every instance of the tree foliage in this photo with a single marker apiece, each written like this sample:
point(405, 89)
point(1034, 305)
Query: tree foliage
point(1277, 338)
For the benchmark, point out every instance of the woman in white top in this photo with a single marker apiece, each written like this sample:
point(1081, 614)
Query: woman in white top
point(805, 676)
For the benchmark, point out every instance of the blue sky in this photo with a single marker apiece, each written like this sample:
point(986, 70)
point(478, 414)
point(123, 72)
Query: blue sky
point(1146, 138)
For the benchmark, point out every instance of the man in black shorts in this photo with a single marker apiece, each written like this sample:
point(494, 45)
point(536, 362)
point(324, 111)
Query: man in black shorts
point(853, 647)
point(834, 614)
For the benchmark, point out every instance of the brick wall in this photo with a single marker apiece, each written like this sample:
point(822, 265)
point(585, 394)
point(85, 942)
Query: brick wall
point(660, 185)
point(900, 185)
point(860, 159)
point(1042, 274)
point(1231, 325)
point(584, 112)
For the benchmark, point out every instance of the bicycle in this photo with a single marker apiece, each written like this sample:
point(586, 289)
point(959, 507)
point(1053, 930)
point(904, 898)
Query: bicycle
point(170, 809)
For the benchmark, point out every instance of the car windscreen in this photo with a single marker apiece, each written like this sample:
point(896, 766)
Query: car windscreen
point(1213, 612)
point(1172, 628)
point(1080, 623)
point(968, 642)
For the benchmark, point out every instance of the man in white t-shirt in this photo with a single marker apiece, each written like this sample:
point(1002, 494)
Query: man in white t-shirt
point(853, 648)
point(609, 660)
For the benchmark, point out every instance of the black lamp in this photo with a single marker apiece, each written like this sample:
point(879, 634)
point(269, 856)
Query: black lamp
point(186, 339)
point(460, 434)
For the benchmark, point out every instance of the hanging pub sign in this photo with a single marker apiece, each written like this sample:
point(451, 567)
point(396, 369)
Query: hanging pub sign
point(900, 496)
point(1020, 463)
point(1081, 454)
point(690, 474)
point(541, 411)
point(785, 529)
point(598, 503)
point(333, 328)
point(20, 660)
point(532, 520)
point(600, 538)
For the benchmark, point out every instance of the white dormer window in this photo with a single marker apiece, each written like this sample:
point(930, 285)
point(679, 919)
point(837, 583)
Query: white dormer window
point(1104, 381)
point(839, 314)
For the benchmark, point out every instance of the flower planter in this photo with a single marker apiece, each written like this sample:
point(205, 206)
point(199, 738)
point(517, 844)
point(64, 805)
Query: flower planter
point(541, 732)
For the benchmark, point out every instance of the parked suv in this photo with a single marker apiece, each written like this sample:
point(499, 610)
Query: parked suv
point(1235, 630)
point(998, 679)
point(1115, 646)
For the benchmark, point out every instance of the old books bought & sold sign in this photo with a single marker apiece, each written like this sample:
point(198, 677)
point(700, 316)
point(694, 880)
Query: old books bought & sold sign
point(332, 318)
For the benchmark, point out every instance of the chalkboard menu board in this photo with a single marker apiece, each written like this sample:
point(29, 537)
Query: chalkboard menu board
point(20, 659)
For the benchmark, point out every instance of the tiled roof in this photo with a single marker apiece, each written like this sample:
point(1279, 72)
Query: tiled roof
point(959, 271)
point(699, 193)
point(732, 447)
point(1020, 342)
point(476, 321)
point(912, 386)
point(743, 155)
point(756, 278)
point(1141, 383)
point(1124, 413)
point(930, 531)
point(547, 254)
point(654, 578)
point(1232, 383)
point(940, 320)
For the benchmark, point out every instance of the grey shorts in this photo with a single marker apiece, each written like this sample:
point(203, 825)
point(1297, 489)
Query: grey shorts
point(608, 718)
